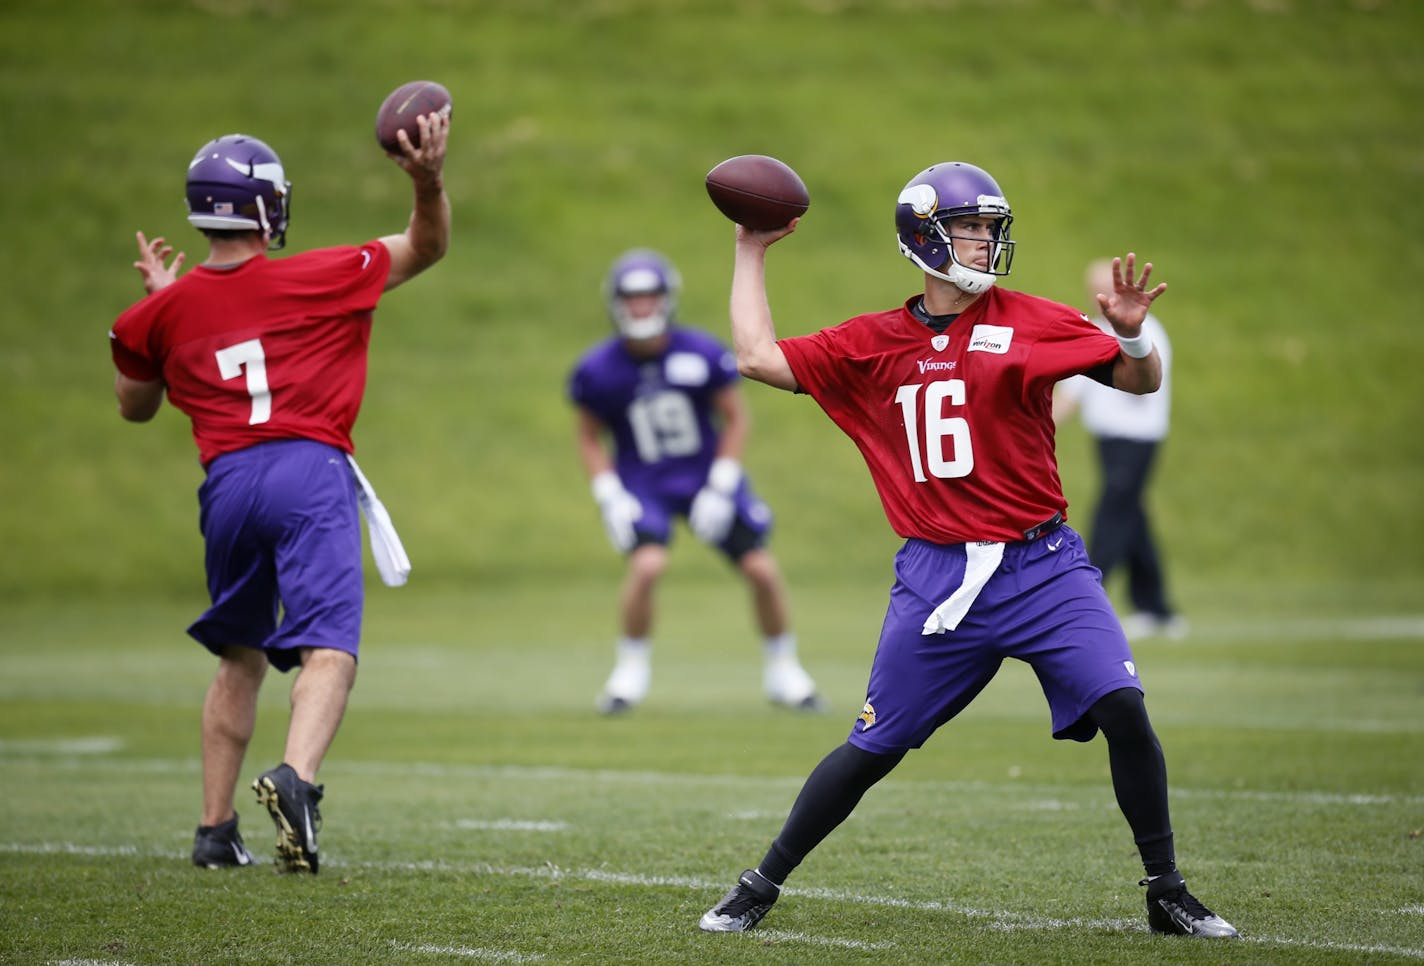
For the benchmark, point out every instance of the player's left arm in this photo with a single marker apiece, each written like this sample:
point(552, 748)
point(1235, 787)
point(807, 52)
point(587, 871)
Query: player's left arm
point(1138, 368)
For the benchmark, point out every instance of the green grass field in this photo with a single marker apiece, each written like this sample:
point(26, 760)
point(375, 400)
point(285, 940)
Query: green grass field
point(1266, 154)
point(478, 809)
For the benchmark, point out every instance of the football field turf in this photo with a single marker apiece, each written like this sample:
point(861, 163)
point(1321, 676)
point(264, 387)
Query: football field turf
point(478, 810)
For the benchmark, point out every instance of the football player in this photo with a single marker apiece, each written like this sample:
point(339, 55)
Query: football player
point(267, 358)
point(948, 398)
point(664, 399)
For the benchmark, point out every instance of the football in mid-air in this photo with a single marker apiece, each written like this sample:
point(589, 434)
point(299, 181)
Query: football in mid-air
point(406, 103)
point(757, 192)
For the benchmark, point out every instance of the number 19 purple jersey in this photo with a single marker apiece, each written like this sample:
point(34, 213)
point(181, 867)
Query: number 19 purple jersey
point(659, 410)
point(957, 429)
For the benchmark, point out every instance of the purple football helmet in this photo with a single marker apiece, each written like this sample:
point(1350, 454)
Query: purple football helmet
point(931, 200)
point(641, 272)
point(236, 182)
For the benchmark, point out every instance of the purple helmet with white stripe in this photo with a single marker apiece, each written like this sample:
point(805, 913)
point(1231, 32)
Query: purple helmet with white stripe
point(927, 205)
point(236, 183)
point(641, 272)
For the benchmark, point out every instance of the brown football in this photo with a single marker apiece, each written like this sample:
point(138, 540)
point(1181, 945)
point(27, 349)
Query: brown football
point(406, 103)
point(757, 191)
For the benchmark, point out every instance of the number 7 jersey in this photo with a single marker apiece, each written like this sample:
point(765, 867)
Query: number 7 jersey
point(271, 349)
point(956, 429)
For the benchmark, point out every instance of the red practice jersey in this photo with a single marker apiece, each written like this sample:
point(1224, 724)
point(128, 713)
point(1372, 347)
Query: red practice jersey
point(272, 349)
point(957, 429)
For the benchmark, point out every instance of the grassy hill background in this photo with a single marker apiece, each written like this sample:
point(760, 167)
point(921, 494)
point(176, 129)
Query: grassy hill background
point(1267, 156)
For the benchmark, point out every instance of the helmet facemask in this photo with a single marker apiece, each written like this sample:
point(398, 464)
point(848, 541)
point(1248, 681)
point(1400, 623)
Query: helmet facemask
point(638, 274)
point(966, 277)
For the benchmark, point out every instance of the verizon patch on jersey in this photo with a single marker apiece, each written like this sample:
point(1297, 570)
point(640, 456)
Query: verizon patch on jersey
point(991, 338)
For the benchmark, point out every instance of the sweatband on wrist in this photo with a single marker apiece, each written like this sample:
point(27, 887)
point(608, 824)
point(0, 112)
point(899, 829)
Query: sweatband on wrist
point(725, 474)
point(607, 486)
point(1139, 346)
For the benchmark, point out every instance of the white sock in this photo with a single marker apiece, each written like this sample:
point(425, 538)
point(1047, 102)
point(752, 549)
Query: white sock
point(780, 646)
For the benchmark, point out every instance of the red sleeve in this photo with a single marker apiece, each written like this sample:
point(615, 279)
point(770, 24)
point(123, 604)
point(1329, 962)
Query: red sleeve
point(1068, 344)
point(128, 344)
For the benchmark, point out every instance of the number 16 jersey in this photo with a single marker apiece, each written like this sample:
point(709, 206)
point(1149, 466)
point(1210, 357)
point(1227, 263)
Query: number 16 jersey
point(956, 428)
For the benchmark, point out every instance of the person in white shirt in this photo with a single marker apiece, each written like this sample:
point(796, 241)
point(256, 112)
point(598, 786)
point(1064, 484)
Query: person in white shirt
point(1128, 431)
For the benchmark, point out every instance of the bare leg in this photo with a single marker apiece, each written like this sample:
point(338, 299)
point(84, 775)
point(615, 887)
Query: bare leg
point(768, 592)
point(318, 703)
point(645, 565)
point(229, 717)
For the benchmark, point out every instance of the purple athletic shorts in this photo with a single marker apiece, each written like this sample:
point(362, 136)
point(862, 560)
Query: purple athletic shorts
point(1044, 605)
point(282, 531)
point(749, 530)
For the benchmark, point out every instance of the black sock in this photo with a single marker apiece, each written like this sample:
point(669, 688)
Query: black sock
point(1139, 776)
point(830, 793)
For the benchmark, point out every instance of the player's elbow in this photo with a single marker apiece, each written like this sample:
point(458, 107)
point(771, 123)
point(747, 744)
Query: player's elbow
point(139, 400)
point(138, 411)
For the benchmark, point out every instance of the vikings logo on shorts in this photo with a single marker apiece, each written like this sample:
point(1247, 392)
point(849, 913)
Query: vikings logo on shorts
point(867, 714)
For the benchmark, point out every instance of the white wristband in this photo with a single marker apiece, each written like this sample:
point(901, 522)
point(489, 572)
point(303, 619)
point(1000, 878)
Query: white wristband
point(607, 486)
point(724, 475)
point(1139, 347)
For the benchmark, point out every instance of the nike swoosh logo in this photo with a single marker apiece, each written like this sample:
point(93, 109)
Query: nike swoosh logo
point(365, 260)
point(238, 853)
point(311, 835)
point(1055, 546)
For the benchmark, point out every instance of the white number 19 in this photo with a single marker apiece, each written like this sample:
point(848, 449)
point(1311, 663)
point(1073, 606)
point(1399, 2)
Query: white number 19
point(937, 427)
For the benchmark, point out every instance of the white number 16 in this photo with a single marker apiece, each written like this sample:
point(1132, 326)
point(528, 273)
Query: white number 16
point(937, 427)
point(248, 355)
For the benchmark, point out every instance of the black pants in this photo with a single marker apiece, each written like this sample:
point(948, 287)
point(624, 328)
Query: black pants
point(1122, 535)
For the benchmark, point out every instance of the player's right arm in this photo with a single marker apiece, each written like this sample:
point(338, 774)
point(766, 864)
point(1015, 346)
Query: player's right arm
point(426, 238)
point(588, 438)
point(753, 336)
point(620, 509)
point(139, 399)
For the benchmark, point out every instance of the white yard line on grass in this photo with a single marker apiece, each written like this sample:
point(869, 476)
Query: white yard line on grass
point(510, 825)
point(466, 952)
point(1381, 628)
point(999, 920)
point(1022, 791)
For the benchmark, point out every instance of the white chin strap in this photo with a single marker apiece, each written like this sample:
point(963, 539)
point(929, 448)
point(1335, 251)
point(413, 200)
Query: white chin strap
point(964, 279)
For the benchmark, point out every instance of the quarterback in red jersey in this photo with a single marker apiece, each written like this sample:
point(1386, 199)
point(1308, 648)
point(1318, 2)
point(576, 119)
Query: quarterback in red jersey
point(267, 358)
point(949, 399)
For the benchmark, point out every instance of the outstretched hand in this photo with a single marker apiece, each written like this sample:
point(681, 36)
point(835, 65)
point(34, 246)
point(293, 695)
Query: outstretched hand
point(153, 263)
point(1127, 305)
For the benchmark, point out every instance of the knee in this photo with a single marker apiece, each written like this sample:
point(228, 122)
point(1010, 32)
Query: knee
point(759, 567)
point(864, 768)
point(328, 665)
point(1122, 715)
point(646, 564)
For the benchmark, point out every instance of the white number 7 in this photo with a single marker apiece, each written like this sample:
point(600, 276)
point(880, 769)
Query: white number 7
point(248, 355)
point(937, 427)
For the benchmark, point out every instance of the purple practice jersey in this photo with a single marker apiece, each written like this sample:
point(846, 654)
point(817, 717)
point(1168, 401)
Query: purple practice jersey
point(658, 410)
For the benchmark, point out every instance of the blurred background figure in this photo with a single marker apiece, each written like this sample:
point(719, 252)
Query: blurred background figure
point(1128, 430)
point(667, 398)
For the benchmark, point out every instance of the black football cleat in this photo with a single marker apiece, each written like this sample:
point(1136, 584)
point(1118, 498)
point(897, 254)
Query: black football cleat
point(742, 908)
point(220, 846)
point(1173, 911)
point(293, 806)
